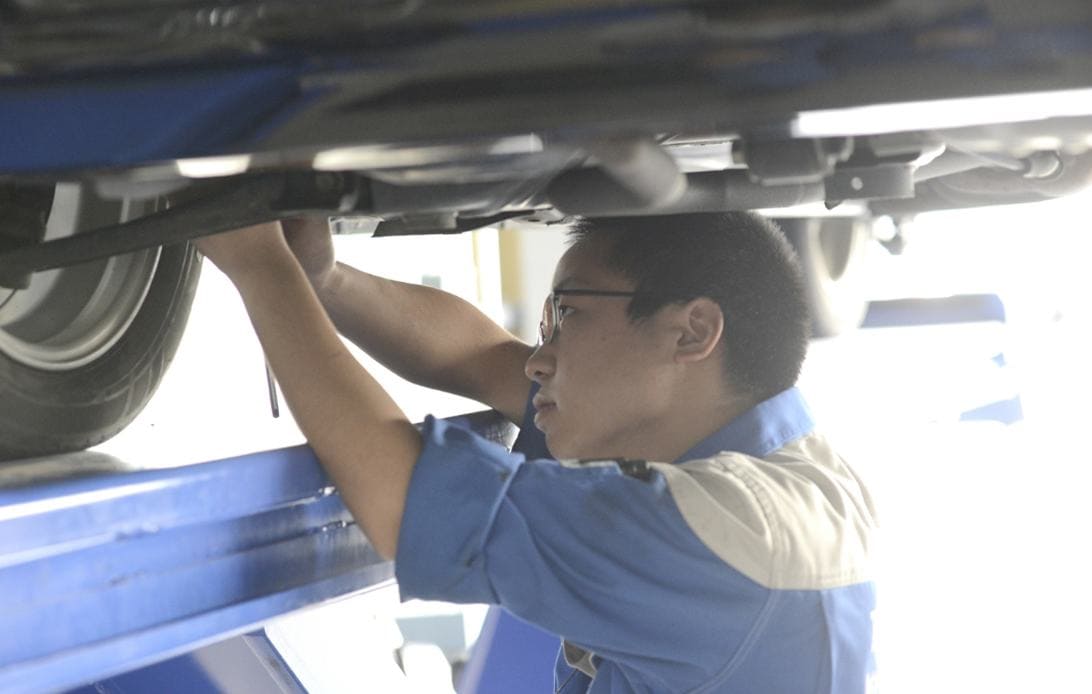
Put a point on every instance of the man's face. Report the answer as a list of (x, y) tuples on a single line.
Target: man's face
[(606, 381)]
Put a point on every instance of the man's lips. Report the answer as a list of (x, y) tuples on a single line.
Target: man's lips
[(541, 402), (543, 409), (543, 406)]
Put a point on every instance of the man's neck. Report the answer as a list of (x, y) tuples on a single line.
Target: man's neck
[(700, 425), (682, 428)]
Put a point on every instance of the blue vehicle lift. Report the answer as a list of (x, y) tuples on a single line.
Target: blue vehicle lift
[(105, 569)]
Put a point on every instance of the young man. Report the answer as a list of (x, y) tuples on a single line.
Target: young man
[(696, 535)]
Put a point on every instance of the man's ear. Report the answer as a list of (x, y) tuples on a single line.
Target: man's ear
[(701, 323)]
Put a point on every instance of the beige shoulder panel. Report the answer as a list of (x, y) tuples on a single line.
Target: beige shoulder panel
[(798, 519)]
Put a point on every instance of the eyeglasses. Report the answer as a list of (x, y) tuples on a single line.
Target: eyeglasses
[(550, 326)]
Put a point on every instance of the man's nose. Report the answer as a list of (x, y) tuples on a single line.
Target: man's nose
[(540, 365)]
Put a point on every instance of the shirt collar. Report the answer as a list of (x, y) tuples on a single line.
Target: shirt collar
[(759, 431)]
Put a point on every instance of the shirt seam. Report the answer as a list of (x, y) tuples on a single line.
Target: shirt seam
[(757, 492), (744, 650), (772, 522), (784, 437), (487, 529)]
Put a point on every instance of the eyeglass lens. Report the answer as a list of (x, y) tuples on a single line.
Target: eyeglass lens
[(548, 323)]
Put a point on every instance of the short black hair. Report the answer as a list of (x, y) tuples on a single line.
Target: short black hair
[(740, 260)]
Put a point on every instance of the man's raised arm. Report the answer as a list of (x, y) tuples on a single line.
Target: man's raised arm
[(425, 335), (358, 432)]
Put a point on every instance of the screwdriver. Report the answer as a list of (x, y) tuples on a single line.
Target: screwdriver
[(274, 404)]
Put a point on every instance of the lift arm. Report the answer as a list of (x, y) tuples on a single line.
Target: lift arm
[(105, 572)]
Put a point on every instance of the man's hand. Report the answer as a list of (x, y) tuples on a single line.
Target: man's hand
[(241, 251), (309, 238)]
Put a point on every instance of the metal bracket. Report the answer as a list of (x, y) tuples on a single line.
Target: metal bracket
[(784, 162), (870, 182)]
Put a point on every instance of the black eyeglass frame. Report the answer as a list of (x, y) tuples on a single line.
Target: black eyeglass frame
[(554, 302)]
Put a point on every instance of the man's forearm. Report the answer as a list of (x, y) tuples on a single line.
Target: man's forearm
[(426, 335), (362, 438)]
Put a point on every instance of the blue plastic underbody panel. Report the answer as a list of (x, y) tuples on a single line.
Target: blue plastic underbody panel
[(144, 116)]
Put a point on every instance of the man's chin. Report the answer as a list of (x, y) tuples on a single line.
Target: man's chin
[(555, 446), (570, 450), (562, 449)]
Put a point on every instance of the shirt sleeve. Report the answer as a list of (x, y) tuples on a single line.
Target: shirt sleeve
[(597, 553)]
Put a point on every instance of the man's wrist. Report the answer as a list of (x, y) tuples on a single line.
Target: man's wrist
[(328, 283), (261, 268)]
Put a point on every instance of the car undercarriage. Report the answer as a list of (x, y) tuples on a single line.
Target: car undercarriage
[(132, 126)]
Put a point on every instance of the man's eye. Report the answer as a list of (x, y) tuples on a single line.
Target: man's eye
[(563, 310)]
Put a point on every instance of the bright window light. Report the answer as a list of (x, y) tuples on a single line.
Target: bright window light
[(386, 156), (212, 167), (942, 113)]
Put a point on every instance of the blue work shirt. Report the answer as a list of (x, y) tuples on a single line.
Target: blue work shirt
[(743, 566)]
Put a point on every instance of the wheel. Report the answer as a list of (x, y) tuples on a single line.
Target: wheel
[(83, 348), (832, 252)]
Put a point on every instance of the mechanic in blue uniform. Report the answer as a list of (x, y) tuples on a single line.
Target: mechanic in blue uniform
[(691, 530)]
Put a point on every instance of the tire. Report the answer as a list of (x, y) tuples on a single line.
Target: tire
[(832, 253), (81, 360)]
